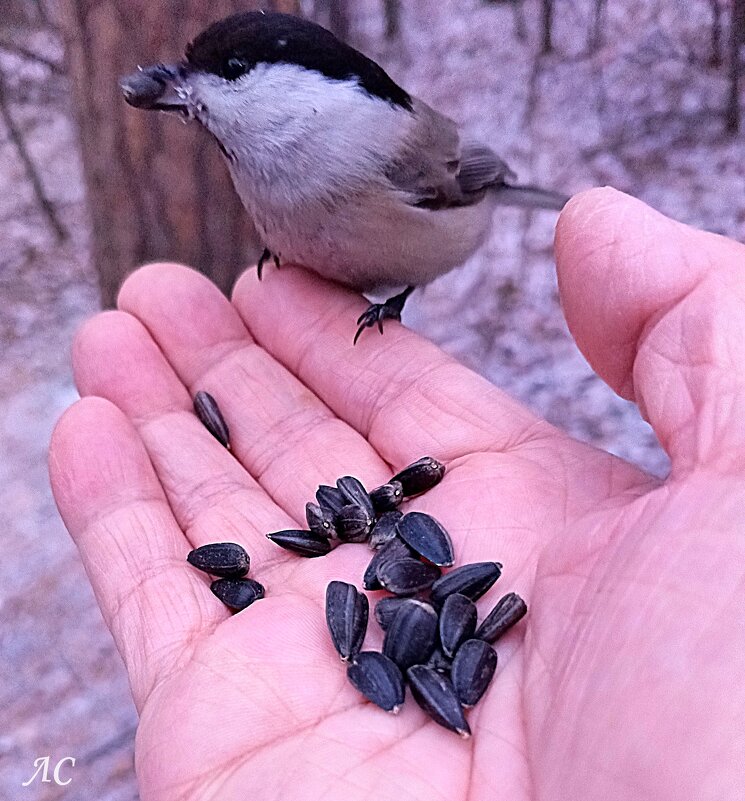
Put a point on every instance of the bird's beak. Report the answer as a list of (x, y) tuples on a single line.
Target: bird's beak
[(158, 88)]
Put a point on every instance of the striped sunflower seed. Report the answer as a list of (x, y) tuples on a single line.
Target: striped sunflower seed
[(440, 662), (505, 614), (384, 530), (378, 679), (407, 576), (457, 622), (207, 410), (353, 524), (393, 549), (330, 499), (346, 617), (225, 559), (305, 543), (423, 534), (354, 492), (470, 580), (237, 593), (387, 498), (411, 637), (420, 476), (435, 695), (473, 669), (320, 521), (385, 610)]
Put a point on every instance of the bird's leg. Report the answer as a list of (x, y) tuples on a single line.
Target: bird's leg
[(377, 312), (267, 254)]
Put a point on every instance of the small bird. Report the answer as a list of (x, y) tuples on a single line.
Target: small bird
[(340, 169)]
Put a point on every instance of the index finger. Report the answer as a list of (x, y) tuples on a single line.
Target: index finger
[(404, 394)]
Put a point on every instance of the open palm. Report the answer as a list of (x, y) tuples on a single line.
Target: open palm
[(624, 681)]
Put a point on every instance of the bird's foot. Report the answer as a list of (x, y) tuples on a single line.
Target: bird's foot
[(377, 312), (265, 256)]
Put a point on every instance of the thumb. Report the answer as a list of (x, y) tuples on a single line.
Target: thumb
[(658, 309)]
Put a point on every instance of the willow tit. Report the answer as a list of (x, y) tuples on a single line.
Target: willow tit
[(340, 169)]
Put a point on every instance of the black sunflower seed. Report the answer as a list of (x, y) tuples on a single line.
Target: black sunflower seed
[(354, 492), (411, 637), (320, 521), (407, 576), (440, 662), (329, 499), (237, 593), (393, 549), (346, 616), (226, 559), (420, 476), (306, 543), (457, 622), (435, 695), (378, 679), (473, 669), (385, 610), (353, 524), (423, 534), (470, 580), (505, 614), (207, 410), (384, 530), (388, 497)]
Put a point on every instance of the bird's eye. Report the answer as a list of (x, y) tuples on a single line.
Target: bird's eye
[(233, 68)]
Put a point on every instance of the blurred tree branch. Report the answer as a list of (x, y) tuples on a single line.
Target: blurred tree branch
[(30, 55), (16, 137)]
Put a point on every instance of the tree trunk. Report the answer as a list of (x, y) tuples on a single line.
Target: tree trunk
[(156, 189), (736, 38)]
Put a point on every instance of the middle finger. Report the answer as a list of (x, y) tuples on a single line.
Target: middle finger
[(282, 433)]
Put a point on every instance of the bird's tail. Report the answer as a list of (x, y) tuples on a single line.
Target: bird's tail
[(530, 197)]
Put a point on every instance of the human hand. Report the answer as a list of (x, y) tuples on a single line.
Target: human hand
[(625, 679)]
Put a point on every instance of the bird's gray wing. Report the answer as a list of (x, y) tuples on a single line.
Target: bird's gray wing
[(438, 170)]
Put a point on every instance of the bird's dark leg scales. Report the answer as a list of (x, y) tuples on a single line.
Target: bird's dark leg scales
[(265, 256), (377, 312)]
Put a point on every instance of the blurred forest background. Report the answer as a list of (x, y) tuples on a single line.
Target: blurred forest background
[(640, 94)]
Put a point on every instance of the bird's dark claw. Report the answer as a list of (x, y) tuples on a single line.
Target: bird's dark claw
[(377, 312), (265, 256)]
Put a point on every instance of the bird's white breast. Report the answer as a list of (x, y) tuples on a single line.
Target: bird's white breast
[(309, 159)]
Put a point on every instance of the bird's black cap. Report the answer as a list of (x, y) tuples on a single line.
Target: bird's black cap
[(234, 45)]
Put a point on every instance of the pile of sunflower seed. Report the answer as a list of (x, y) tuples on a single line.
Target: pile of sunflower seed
[(432, 640)]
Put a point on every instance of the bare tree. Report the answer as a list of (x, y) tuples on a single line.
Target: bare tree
[(736, 39), (595, 41), (716, 58), (334, 15), (16, 137), (392, 18), (156, 189), (547, 16)]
